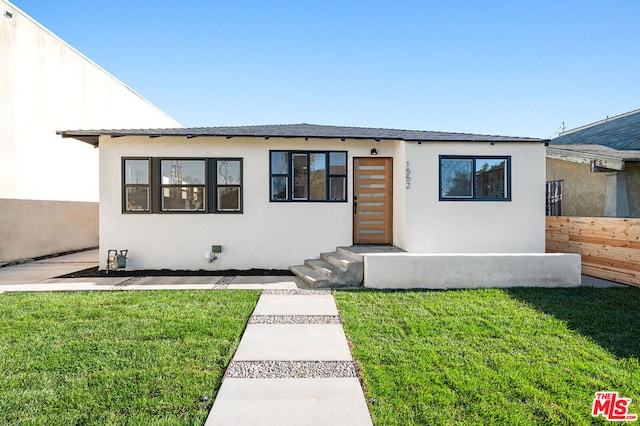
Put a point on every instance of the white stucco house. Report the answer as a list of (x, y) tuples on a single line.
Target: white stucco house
[(49, 186), (271, 196)]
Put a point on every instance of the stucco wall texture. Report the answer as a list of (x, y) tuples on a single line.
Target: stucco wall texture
[(633, 186), (582, 192), (31, 228)]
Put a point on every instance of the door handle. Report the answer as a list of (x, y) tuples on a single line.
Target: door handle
[(355, 205)]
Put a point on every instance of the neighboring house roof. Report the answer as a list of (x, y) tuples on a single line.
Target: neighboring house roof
[(296, 131), (621, 132), (601, 158)]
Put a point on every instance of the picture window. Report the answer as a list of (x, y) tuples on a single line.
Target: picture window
[(478, 178)]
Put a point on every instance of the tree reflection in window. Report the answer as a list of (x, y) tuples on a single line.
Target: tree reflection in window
[(475, 178)]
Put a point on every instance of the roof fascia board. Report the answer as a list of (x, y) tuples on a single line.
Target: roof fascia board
[(596, 161)]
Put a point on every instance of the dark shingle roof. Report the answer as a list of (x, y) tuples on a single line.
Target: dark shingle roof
[(621, 132), (296, 131)]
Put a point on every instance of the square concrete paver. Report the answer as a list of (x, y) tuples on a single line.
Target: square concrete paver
[(293, 342), (265, 282), (316, 304), (284, 402)]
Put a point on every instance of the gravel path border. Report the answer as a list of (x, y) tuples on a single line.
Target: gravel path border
[(294, 292), (290, 369), (294, 319)]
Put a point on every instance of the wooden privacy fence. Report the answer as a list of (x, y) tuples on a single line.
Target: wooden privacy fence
[(610, 247)]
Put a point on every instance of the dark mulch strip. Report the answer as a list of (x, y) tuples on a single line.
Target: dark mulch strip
[(94, 272)]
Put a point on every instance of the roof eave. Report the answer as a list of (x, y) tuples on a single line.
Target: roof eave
[(602, 162), (90, 138)]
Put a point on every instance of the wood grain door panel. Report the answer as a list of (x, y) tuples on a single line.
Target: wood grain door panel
[(372, 201)]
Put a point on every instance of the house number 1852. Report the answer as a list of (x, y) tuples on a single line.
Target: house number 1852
[(407, 176)]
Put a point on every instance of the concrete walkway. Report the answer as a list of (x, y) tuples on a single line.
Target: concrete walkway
[(292, 367), (40, 276)]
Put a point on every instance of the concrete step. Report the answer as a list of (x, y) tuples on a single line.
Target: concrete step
[(347, 252), (313, 278), (340, 260), (352, 268), (330, 271)]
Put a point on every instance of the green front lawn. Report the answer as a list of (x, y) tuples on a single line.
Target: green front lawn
[(116, 357), (517, 356)]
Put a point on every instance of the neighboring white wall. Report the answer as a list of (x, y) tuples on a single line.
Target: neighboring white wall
[(46, 85), (516, 226), (36, 228), (446, 271), (266, 235)]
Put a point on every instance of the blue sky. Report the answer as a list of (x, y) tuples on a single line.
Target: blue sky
[(517, 68)]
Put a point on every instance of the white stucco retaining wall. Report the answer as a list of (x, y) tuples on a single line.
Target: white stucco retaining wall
[(450, 271)]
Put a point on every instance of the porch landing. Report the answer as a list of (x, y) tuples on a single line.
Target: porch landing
[(389, 267), (341, 268)]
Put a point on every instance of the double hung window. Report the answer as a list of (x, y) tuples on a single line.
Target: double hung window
[(308, 175), (475, 178), (228, 185), (137, 185)]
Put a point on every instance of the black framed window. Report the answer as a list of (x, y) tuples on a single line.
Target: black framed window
[(136, 180), (475, 178), (228, 185), (183, 185), (308, 175)]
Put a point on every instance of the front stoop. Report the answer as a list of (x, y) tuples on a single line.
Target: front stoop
[(341, 268)]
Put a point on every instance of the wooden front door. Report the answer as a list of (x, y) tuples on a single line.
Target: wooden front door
[(372, 200)]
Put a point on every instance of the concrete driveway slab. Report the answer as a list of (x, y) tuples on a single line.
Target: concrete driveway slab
[(315, 304), (283, 402), (293, 342), (29, 273)]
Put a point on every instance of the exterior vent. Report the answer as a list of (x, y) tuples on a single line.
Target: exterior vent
[(8, 14)]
